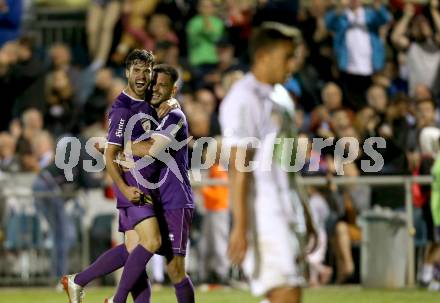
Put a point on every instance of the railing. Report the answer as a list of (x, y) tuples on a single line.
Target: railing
[(50, 25), (7, 186), (406, 181)]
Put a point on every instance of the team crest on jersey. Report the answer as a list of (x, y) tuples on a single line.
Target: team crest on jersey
[(146, 124)]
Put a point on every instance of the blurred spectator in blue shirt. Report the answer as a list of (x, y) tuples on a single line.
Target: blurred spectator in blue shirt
[(10, 19)]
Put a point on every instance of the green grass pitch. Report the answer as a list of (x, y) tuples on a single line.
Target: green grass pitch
[(324, 295)]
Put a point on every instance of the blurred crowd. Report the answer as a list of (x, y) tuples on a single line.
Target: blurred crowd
[(362, 70)]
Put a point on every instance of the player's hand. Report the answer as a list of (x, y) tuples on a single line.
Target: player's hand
[(434, 4), (132, 193), (167, 106), (125, 163), (237, 246)]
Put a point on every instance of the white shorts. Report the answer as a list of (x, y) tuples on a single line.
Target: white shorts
[(272, 258)]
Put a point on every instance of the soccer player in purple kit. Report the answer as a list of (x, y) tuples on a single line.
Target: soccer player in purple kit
[(168, 145), (132, 210)]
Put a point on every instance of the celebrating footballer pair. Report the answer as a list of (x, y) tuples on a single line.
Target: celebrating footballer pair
[(155, 202), (271, 221)]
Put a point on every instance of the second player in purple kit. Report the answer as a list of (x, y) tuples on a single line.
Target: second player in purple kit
[(176, 195)]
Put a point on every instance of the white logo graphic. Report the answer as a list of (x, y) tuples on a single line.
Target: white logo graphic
[(119, 132), (163, 156)]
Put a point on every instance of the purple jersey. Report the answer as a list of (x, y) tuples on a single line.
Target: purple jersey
[(124, 112), (175, 191)]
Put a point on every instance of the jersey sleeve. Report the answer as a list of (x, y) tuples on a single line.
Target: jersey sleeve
[(238, 118), (118, 119), (171, 124)]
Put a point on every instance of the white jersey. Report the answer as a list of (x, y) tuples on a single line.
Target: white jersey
[(255, 110)]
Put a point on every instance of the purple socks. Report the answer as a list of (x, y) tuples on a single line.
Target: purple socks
[(133, 269), (141, 291), (185, 291), (108, 262)]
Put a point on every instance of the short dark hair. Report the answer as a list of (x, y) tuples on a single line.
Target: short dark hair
[(168, 70), (136, 55), (269, 33)]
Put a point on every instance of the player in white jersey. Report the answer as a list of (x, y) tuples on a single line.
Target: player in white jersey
[(270, 223)]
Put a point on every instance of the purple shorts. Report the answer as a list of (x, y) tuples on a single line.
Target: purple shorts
[(174, 225), (130, 216)]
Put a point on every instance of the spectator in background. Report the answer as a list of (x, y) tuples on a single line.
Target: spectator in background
[(216, 221), (134, 21), (61, 59), (168, 52), (364, 121), (203, 32), (357, 45), (319, 274), (304, 85), (43, 148), (10, 20), (32, 121), (377, 99), (388, 125), (430, 145), (202, 118), (239, 22), (60, 114), (414, 34), (208, 104), (27, 77), (331, 96), (102, 17), (283, 11), (390, 79), (7, 93), (115, 90), (425, 117), (10, 49), (53, 208), (227, 81), (352, 200), (159, 30), (96, 105), (317, 37), (227, 63), (8, 159), (422, 92)]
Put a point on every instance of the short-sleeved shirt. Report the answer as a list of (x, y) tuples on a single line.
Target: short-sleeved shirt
[(175, 191), (139, 116), (253, 111)]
